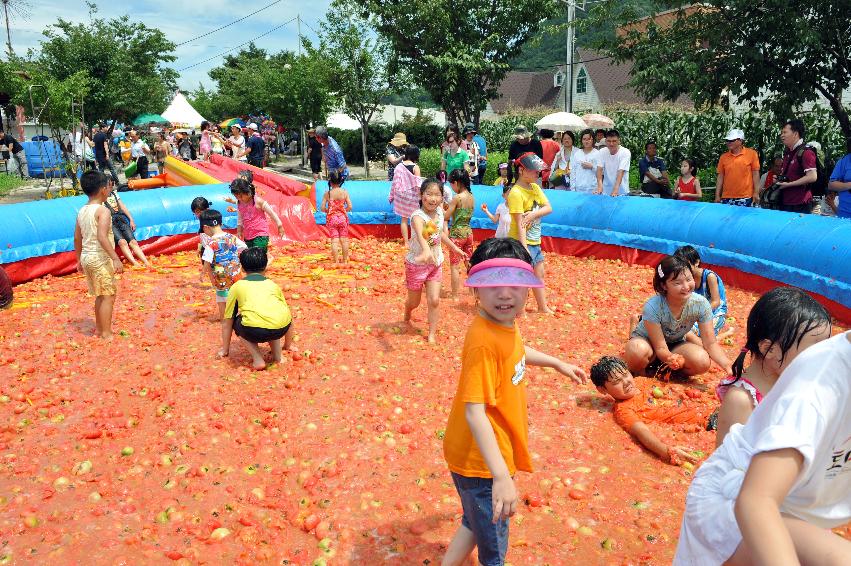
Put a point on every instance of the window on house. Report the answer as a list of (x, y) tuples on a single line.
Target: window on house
[(581, 81)]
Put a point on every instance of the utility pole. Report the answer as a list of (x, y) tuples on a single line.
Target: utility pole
[(571, 40), (298, 19), (8, 33)]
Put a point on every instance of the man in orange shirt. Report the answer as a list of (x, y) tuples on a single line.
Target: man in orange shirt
[(486, 439), (738, 173), (638, 402)]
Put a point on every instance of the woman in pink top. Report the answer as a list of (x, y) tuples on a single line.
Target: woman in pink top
[(252, 226), (782, 324)]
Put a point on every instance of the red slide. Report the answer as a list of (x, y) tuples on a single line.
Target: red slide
[(288, 197)]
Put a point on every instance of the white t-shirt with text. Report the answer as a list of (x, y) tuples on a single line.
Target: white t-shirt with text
[(808, 410)]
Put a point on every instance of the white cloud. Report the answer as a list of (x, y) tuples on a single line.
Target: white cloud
[(182, 20)]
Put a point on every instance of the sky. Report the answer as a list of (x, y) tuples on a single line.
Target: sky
[(181, 20)]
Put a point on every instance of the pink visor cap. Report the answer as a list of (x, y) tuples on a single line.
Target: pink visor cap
[(502, 272)]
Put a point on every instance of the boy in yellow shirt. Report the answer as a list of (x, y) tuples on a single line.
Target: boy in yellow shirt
[(486, 438), (527, 204), (257, 311)]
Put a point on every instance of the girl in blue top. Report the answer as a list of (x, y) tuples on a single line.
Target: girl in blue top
[(709, 285), (667, 318)]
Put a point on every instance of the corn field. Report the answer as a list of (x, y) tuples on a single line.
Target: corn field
[(696, 135)]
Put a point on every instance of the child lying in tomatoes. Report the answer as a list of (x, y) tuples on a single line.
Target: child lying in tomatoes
[(638, 401)]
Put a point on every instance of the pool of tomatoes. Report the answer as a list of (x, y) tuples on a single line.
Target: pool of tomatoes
[(151, 449)]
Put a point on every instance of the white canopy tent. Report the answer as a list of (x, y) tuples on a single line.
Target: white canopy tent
[(342, 122), (181, 113)]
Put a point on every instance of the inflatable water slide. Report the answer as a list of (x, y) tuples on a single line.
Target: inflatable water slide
[(37, 238)]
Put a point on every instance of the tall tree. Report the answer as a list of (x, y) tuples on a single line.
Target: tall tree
[(123, 59), (362, 69), (779, 54), (293, 89), (458, 53)]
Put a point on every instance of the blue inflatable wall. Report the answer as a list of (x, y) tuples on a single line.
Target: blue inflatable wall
[(41, 228), (806, 251)]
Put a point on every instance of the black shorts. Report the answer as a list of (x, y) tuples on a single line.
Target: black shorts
[(316, 167), (257, 335), (121, 228)]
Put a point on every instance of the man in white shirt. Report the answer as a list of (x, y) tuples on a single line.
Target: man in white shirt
[(613, 170)]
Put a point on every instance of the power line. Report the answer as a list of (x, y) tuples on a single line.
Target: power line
[(554, 65), (238, 46), (310, 28), (228, 25)]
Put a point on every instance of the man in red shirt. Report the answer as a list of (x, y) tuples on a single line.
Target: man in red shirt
[(549, 147), (799, 167)]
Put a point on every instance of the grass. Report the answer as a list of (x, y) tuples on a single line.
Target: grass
[(10, 182)]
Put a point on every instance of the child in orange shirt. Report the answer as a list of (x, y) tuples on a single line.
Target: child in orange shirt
[(487, 435), (637, 402)]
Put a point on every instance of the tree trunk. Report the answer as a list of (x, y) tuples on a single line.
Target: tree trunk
[(364, 126)]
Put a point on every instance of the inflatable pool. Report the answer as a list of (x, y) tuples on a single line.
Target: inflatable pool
[(751, 248)]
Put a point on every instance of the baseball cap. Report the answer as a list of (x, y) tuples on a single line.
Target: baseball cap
[(531, 161), (521, 132), (503, 272), (252, 126), (735, 134), (470, 127)]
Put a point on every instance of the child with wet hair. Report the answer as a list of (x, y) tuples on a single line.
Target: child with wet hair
[(777, 484), (638, 402), (782, 323)]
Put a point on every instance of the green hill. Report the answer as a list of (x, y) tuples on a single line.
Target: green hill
[(549, 47)]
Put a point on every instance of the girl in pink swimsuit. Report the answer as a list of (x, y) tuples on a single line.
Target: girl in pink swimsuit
[(782, 324), (336, 204)]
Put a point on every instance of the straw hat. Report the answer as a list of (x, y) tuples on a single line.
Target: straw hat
[(399, 140)]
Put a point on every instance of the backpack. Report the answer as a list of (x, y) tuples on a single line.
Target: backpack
[(819, 187)]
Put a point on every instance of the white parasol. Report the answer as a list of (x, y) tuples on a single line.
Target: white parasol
[(561, 121), (598, 121)]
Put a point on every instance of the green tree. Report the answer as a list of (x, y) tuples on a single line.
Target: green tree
[(458, 53), (780, 54), (293, 89), (54, 95), (362, 70), (123, 59), (205, 102)]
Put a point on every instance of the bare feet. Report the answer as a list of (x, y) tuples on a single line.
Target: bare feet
[(546, 310), (259, 364), (222, 353), (432, 339)]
